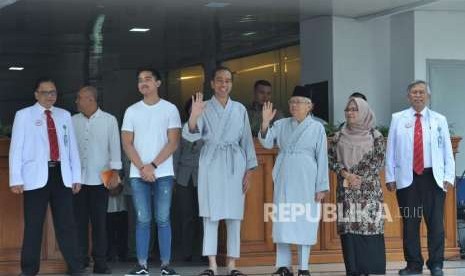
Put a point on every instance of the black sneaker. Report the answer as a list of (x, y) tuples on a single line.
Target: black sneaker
[(283, 271), (166, 270), (138, 270), (303, 273)]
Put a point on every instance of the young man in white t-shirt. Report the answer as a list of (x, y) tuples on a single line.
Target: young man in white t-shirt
[(150, 135)]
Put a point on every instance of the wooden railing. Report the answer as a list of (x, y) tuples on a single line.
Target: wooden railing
[(257, 247)]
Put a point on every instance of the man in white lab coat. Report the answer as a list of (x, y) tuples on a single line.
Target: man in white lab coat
[(45, 168), (420, 166)]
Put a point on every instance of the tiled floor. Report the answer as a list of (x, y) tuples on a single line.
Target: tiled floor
[(451, 268)]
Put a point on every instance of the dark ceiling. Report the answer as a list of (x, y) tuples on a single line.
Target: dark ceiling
[(33, 31), (81, 41)]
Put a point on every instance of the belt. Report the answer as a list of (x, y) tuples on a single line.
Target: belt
[(425, 170), (53, 164)]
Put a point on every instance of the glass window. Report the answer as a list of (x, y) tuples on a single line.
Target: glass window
[(182, 84), (280, 67)]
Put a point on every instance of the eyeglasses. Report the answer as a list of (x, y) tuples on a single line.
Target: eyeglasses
[(297, 102), (350, 110), (51, 93), (418, 92)]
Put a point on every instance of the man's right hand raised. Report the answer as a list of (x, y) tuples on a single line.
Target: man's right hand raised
[(268, 114), (198, 105), (18, 189)]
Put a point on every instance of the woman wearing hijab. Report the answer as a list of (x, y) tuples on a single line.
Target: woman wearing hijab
[(300, 177), (356, 154)]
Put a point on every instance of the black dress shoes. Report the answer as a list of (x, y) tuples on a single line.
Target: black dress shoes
[(102, 270), (436, 271), (410, 271), (79, 272)]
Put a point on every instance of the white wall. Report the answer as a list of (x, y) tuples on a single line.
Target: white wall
[(438, 35), (379, 57), (402, 58), (353, 56), (316, 52), (316, 49), (361, 62)]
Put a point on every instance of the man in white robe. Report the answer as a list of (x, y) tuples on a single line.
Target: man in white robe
[(300, 177), (225, 162)]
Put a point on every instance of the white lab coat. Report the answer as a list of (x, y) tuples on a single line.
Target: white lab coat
[(399, 150), (30, 149)]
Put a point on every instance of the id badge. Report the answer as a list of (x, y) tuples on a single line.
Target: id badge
[(65, 136)]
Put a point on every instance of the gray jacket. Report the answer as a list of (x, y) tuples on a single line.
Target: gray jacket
[(186, 162)]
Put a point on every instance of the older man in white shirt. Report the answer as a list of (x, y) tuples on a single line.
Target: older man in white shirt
[(420, 165), (45, 168), (99, 148)]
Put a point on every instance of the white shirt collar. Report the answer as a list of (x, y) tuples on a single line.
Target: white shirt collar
[(423, 113), (96, 114), (42, 109)]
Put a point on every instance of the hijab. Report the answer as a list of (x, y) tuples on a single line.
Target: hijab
[(356, 139)]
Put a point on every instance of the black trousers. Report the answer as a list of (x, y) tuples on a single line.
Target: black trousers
[(35, 207), (424, 199), (191, 224), (364, 254), (90, 205), (117, 232)]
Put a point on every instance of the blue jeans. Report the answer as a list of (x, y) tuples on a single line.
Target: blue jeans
[(161, 191)]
